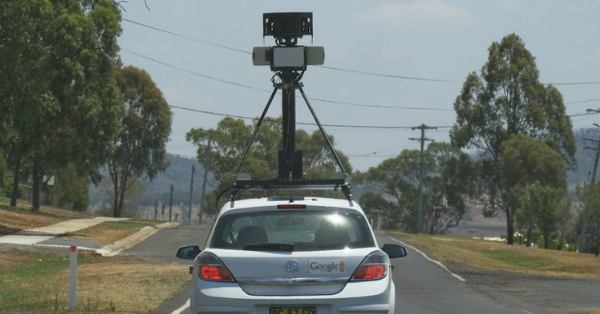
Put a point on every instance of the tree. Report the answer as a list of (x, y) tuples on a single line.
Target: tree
[(379, 209), (450, 186), (541, 205), (230, 139), (524, 162), (140, 148), (71, 189), (453, 187), (508, 99), (397, 180), (564, 217), (590, 193), (58, 95)]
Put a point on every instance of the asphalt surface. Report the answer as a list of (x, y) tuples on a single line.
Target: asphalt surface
[(161, 248), (422, 286)]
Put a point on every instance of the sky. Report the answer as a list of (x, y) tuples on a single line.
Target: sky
[(389, 65)]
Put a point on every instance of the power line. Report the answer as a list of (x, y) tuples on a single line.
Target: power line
[(302, 123), (186, 37), (264, 90), (194, 73), (387, 75), (335, 68), (582, 101)]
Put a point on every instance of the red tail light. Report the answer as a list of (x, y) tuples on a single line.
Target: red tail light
[(374, 267), (210, 267)]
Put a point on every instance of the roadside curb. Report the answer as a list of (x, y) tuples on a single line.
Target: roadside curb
[(128, 242)]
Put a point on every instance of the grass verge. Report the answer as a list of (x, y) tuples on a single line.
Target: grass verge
[(111, 231), (39, 283), (500, 256), (21, 217)]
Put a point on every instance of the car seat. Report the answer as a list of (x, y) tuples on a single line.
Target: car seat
[(251, 235)]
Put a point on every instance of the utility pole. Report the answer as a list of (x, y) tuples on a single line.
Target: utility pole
[(191, 193), (171, 203), (206, 160), (422, 127), (592, 183)]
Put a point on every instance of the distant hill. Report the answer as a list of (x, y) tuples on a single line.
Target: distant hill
[(178, 174)]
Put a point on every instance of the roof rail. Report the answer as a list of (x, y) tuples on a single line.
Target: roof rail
[(244, 182)]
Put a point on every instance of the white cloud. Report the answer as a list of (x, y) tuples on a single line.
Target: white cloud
[(420, 13)]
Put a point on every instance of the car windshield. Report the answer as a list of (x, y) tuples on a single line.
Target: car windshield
[(305, 230)]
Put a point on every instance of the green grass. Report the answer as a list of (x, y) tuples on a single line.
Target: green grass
[(518, 260), (20, 291), (500, 256), (4, 199)]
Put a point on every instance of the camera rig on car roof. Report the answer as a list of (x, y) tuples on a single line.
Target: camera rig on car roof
[(288, 61)]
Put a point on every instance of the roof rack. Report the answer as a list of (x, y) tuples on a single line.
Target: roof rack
[(244, 182)]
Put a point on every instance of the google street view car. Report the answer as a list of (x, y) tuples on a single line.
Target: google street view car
[(292, 254)]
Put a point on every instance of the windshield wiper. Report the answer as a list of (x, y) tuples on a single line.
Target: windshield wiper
[(282, 247)]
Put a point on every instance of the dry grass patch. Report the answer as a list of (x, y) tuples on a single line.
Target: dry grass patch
[(39, 283), (129, 285), (15, 219), (500, 256), (12, 221), (110, 231)]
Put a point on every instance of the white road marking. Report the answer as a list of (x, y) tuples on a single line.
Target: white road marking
[(526, 311), (183, 308), (432, 260)]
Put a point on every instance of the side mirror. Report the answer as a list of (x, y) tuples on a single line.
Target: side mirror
[(188, 252), (394, 250)]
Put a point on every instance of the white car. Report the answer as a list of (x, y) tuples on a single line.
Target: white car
[(292, 256)]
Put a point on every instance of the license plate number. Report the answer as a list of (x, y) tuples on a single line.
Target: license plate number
[(292, 310)]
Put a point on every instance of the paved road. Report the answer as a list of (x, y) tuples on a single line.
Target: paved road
[(422, 285)]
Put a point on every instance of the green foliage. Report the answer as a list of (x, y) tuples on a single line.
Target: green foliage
[(508, 99), (540, 207), (71, 189), (450, 185), (590, 195), (58, 94), (141, 145), (230, 139), (3, 184)]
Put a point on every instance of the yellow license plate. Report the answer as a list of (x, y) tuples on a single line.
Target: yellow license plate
[(293, 310)]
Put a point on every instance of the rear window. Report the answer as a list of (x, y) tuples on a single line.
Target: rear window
[(306, 230)]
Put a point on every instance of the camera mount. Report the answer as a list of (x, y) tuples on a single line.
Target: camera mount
[(289, 61)]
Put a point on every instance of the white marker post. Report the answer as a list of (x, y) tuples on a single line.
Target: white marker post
[(73, 279)]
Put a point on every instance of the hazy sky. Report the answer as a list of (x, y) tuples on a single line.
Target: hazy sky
[(419, 50)]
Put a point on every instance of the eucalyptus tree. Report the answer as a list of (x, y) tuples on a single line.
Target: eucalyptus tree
[(453, 187), (396, 180), (58, 94), (141, 145), (230, 139), (506, 99), (450, 187)]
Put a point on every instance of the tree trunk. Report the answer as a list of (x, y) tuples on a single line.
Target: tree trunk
[(529, 236), (35, 197), (15, 191), (598, 240), (116, 213), (560, 245), (510, 226), (546, 241)]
